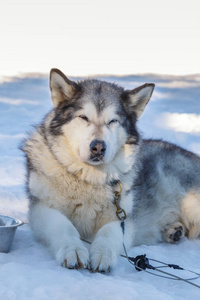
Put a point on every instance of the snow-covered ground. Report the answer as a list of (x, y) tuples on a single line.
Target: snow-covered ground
[(29, 271)]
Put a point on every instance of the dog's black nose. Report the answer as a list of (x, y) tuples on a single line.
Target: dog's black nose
[(98, 147)]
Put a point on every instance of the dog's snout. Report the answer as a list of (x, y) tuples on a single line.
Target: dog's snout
[(98, 147)]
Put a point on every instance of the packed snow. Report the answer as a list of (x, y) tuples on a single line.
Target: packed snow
[(29, 271)]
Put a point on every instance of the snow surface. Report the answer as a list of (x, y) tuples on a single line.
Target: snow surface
[(29, 271)]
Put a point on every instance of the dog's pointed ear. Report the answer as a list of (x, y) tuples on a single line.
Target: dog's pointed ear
[(139, 97), (61, 87)]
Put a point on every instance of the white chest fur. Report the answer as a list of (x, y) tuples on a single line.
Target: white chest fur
[(87, 206)]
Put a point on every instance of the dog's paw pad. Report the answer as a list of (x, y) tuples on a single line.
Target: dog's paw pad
[(176, 234)]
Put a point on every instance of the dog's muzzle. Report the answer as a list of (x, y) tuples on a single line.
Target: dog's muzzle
[(98, 150)]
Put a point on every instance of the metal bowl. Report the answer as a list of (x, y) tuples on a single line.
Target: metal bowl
[(8, 227)]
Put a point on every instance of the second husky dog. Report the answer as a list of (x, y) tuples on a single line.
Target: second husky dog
[(84, 151)]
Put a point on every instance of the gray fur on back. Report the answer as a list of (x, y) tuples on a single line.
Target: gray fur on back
[(166, 174)]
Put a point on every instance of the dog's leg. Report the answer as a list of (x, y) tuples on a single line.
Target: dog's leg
[(190, 208), (54, 229), (106, 247), (108, 244), (190, 219)]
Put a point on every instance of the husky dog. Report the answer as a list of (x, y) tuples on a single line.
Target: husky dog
[(85, 145)]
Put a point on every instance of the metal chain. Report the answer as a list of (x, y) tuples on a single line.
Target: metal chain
[(120, 212)]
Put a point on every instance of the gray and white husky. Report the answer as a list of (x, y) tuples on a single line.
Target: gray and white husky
[(85, 145)]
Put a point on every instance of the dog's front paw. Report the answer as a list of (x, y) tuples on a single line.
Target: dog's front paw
[(102, 256), (73, 255)]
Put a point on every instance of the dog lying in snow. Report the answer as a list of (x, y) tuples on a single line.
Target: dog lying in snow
[(85, 143)]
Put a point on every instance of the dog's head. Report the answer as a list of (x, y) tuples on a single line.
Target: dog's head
[(95, 119)]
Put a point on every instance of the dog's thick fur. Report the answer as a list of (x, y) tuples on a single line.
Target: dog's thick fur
[(88, 141)]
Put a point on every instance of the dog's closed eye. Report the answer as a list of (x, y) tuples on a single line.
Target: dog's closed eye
[(113, 121), (83, 117)]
